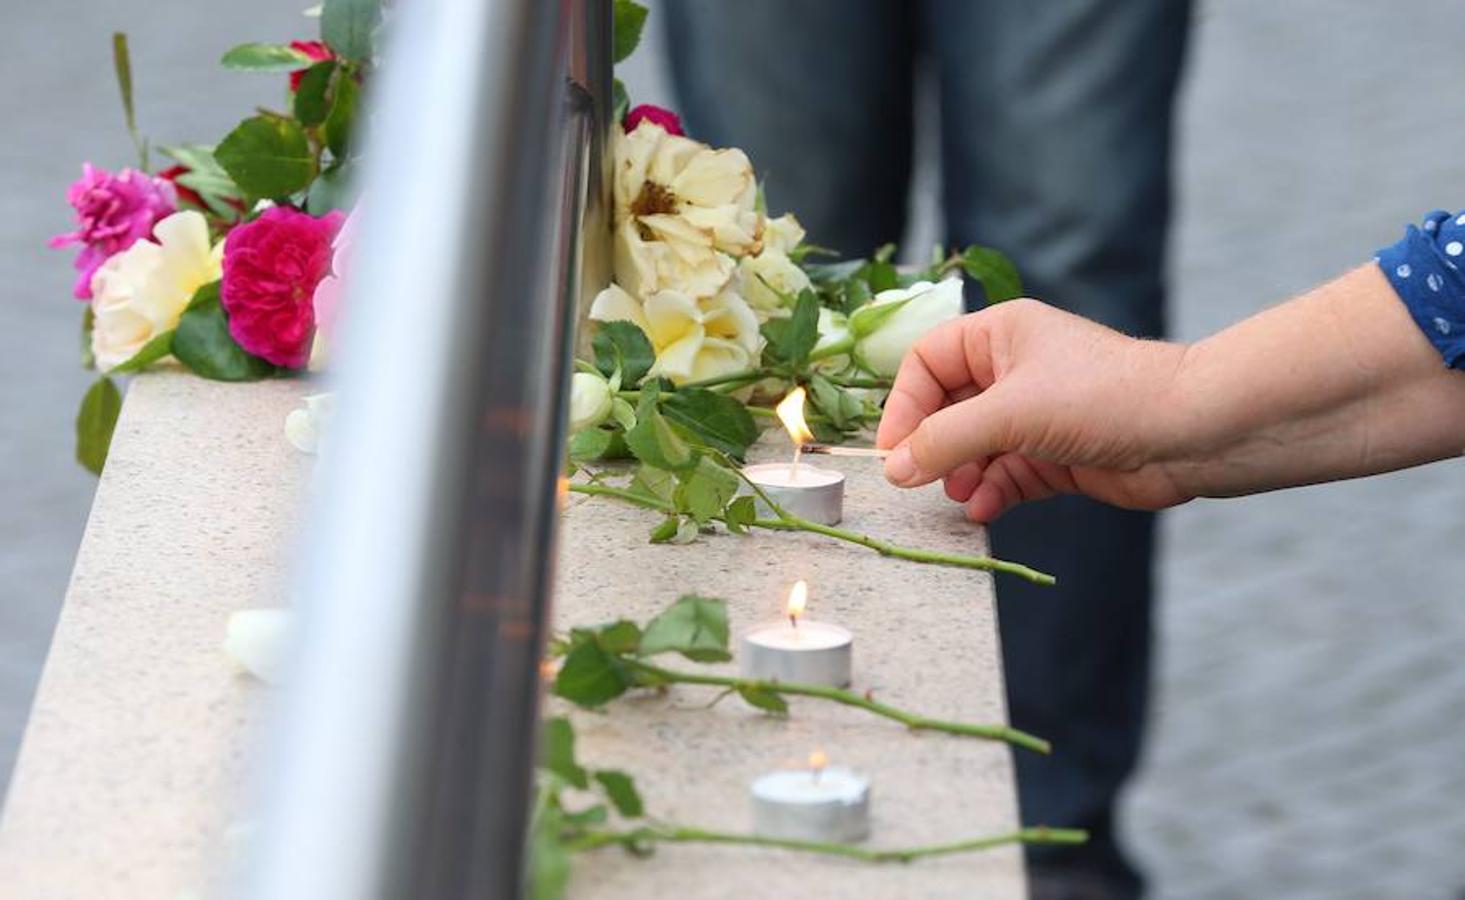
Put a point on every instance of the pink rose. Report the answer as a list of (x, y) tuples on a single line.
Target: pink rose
[(113, 211), (316, 50), (271, 269), (668, 120)]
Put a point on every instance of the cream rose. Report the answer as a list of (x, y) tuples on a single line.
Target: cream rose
[(139, 293), (693, 339), (782, 234), (884, 329), (590, 401), (683, 211), (769, 281)]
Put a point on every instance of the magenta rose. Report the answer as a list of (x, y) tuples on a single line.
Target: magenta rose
[(668, 120), (113, 212), (271, 268), (316, 50)]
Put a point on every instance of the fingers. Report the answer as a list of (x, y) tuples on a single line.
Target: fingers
[(936, 372), (950, 437), (1012, 479), (961, 481)]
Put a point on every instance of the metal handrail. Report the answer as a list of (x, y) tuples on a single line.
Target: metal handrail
[(403, 761)]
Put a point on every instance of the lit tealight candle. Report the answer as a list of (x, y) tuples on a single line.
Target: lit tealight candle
[(818, 803), (803, 490), (796, 650)]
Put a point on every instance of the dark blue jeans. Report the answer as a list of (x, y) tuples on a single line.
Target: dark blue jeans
[(1055, 147)]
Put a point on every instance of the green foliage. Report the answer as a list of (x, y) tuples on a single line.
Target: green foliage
[(202, 342), (313, 96), (762, 698), (620, 788), (622, 347), (791, 339), (157, 348), (696, 627), (208, 179), (620, 101), (654, 441), (844, 410), (559, 752), (95, 422), (993, 271), (334, 189), (88, 320), (122, 68), (341, 122), (267, 156), (630, 20), (715, 420), (265, 58), (591, 674), (349, 27)]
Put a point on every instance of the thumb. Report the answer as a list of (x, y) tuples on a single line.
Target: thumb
[(977, 427)]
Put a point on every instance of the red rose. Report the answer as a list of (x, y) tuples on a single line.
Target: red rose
[(271, 268), (667, 119), (316, 50)]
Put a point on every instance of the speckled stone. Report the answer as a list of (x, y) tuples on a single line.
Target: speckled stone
[(139, 734), (925, 639)]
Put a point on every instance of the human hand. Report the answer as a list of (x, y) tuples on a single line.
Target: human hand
[(1023, 401)]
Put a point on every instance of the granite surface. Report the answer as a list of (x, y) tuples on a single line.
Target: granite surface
[(140, 735), (925, 639), (140, 729)]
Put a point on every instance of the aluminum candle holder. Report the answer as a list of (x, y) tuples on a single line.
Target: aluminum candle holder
[(806, 491), (821, 804), (798, 652)]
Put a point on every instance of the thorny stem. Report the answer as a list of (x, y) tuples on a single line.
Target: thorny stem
[(657, 675), (789, 522), (677, 834)]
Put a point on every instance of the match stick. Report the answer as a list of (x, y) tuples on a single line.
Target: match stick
[(828, 450)]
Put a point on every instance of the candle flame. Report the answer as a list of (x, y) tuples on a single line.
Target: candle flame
[(818, 760), (791, 412), (798, 598)]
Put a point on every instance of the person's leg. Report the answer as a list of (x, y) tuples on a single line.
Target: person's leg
[(817, 92), (1056, 121)]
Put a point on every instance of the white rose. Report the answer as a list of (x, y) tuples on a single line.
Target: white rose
[(590, 401), (682, 211), (305, 427), (256, 639), (885, 328), (694, 339), (139, 293), (783, 233), (762, 279)]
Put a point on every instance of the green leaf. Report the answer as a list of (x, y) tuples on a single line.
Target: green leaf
[(620, 101), (334, 189), (630, 19), (203, 344), (207, 178), (595, 815), (763, 698), (706, 490), (870, 317), (591, 676), (122, 67), (95, 422), (695, 627), (713, 419), (590, 444), (154, 350), (620, 636), (341, 123), (654, 441), (88, 320), (559, 752), (844, 410), (740, 514), (313, 96), (622, 346), (666, 530), (549, 859), (623, 412), (621, 790), (650, 481), (791, 339), (348, 27), (267, 157), (994, 271), (265, 58)]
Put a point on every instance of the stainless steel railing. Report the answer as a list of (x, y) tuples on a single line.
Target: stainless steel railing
[(403, 759)]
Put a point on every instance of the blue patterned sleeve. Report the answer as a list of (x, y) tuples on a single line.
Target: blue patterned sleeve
[(1422, 267)]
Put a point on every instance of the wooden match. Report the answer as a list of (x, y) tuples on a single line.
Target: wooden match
[(830, 450)]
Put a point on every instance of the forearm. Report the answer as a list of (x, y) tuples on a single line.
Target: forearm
[(1335, 384)]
